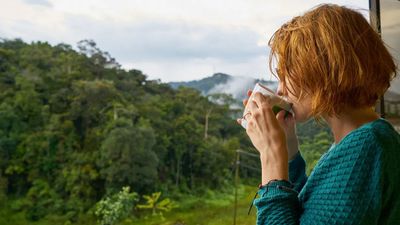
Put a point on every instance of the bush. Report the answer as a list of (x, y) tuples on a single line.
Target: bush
[(112, 209)]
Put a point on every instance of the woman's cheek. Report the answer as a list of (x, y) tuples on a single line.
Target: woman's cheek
[(298, 114)]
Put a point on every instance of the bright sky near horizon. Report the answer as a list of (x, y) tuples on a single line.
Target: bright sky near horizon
[(171, 40)]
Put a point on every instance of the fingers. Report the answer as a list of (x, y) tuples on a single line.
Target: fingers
[(286, 120), (280, 116), (245, 117), (249, 92), (258, 100), (252, 106), (262, 101), (248, 95)]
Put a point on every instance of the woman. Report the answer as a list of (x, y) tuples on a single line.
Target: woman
[(333, 67)]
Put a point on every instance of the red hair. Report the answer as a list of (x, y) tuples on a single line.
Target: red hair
[(332, 54)]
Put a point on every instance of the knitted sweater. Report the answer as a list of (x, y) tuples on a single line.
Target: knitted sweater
[(357, 181)]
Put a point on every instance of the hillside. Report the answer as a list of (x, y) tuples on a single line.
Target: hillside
[(78, 133), (76, 128), (224, 83)]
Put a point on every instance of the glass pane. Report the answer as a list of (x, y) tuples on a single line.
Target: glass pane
[(390, 26)]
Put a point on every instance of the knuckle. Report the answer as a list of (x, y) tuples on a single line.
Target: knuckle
[(266, 109), (250, 123)]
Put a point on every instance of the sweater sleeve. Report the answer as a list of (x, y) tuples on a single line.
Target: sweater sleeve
[(278, 204), (297, 172), (344, 189)]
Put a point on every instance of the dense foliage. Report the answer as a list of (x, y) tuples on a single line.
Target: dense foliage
[(75, 128)]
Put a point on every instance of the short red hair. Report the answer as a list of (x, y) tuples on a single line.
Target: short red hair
[(332, 54)]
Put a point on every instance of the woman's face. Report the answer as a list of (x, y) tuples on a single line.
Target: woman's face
[(301, 109)]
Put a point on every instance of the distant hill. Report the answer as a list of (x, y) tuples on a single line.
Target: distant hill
[(204, 85), (224, 83), (238, 86)]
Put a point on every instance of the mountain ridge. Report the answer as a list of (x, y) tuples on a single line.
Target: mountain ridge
[(237, 86)]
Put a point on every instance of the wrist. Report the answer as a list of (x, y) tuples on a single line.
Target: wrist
[(277, 182), (276, 157), (273, 168)]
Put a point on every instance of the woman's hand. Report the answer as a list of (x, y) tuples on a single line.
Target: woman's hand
[(288, 123), (267, 133), (263, 128)]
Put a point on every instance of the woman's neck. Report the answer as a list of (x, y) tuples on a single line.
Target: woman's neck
[(349, 120)]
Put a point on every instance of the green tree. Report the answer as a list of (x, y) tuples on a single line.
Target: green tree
[(126, 157), (75, 127)]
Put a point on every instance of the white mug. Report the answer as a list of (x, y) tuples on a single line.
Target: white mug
[(278, 103)]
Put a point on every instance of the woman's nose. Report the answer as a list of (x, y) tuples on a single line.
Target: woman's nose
[(280, 90)]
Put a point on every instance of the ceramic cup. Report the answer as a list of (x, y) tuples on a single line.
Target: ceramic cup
[(278, 103)]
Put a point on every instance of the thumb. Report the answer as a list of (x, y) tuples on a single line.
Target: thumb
[(286, 121), (280, 116)]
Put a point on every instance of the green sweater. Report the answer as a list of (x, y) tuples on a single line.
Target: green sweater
[(356, 182)]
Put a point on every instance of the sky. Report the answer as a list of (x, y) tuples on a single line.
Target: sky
[(170, 40)]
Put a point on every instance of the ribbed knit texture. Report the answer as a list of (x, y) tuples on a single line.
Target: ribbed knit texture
[(357, 181)]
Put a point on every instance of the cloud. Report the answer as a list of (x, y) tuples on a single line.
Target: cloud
[(44, 3), (171, 40), (193, 69), (175, 50), (156, 40), (236, 86)]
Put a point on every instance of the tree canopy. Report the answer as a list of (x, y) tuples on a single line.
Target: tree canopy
[(75, 127)]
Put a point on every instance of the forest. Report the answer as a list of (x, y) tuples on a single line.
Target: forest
[(84, 141)]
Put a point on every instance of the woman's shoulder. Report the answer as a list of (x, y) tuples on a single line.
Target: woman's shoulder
[(372, 144), (379, 130), (374, 136), (384, 133)]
